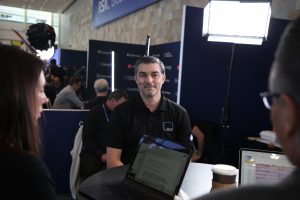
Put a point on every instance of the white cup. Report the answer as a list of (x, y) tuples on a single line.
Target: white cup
[(224, 176)]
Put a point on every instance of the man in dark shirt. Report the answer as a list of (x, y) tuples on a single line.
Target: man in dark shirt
[(148, 113), (101, 89), (49, 88), (56, 71), (92, 157)]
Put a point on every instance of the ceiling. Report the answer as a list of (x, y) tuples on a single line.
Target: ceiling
[(55, 6)]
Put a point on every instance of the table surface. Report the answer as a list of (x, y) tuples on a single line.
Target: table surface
[(197, 182)]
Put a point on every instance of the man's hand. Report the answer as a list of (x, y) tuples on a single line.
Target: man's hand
[(103, 158), (113, 157)]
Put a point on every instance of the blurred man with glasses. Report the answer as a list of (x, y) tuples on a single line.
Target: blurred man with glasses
[(284, 93)]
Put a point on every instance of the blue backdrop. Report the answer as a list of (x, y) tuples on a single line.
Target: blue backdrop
[(59, 128), (169, 55), (73, 58), (204, 78), (99, 65)]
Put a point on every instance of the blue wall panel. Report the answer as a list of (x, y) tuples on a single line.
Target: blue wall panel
[(205, 74)]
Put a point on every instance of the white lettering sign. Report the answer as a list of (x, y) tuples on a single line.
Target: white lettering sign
[(103, 6)]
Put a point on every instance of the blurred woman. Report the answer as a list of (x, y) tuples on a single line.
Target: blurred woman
[(22, 174)]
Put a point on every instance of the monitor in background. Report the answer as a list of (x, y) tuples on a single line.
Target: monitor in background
[(262, 167)]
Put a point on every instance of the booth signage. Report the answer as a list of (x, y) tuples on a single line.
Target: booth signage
[(105, 11)]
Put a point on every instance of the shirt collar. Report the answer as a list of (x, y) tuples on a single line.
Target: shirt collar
[(163, 105)]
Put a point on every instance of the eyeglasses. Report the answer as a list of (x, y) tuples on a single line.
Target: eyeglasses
[(267, 98)]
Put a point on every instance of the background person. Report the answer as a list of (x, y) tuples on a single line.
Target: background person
[(93, 154), (205, 142), (148, 113), (56, 70), (49, 88), (284, 90), (23, 175), (101, 89), (67, 98), (199, 139)]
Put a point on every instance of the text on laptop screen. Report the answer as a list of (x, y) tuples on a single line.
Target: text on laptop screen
[(263, 167), (160, 164)]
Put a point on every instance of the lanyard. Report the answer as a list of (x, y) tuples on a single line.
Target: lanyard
[(105, 112)]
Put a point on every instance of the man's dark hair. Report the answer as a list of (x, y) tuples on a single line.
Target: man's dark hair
[(49, 78), (149, 60), (53, 61), (74, 80), (118, 94)]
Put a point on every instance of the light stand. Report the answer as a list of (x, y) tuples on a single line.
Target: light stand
[(147, 46), (235, 22), (225, 120)]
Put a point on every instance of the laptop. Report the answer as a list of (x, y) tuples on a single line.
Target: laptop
[(262, 167), (156, 172)]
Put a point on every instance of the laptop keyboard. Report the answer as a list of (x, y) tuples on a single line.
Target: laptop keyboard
[(123, 190)]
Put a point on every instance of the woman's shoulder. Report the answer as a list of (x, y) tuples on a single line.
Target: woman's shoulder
[(27, 174), (13, 158)]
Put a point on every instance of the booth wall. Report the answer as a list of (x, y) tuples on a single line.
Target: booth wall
[(204, 78), (100, 66), (59, 128)]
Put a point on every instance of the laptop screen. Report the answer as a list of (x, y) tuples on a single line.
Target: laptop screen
[(262, 167), (160, 164)]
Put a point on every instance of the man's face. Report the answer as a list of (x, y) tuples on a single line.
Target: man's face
[(114, 103), (276, 117), (120, 101), (283, 116), (149, 79)]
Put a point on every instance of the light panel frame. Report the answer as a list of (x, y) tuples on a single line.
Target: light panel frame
[(237, 22)]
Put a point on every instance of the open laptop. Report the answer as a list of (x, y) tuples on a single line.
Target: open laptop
[(262, 167), (156, 172)]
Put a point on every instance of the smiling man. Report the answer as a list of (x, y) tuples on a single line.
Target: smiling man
[(149, 113)]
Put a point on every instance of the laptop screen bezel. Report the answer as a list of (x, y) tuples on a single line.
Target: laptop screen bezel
[(147, 139)]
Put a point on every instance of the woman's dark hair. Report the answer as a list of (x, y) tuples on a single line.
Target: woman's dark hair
[(19, 75)]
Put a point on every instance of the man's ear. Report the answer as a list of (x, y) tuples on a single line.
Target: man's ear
[(164, 77), (135, 75), (291, 115)]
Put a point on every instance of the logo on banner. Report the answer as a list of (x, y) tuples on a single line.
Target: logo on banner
[(168, 55), (168, 126), (104, 52), (103, 6), (133, 55)]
